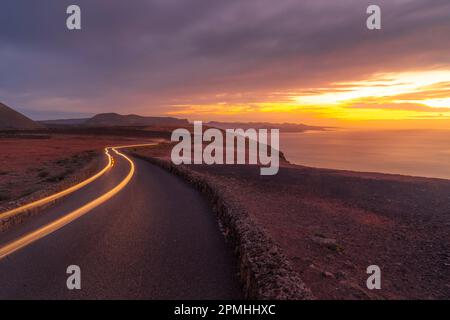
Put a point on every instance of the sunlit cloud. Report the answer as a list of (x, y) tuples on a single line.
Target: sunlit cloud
[(434, 103), (220, 108), (382, 96), (381, 86), (298, 61)]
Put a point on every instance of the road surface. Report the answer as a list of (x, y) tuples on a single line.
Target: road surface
[(156, 239)]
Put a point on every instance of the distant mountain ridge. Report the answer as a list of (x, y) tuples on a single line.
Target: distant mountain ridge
[(133, 120), (115, 119), (284, 127), (13, 120), (65, 122)]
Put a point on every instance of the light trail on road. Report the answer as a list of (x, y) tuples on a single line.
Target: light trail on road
[(56, 196), (68, 218)]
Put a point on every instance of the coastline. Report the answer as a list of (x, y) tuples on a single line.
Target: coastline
[(419, 153)]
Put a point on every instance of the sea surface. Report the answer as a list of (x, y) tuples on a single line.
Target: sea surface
[(424, 153)]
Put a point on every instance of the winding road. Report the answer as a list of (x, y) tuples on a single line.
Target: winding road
[(136, 232)]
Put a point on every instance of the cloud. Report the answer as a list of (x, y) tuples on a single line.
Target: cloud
[(153, 56)]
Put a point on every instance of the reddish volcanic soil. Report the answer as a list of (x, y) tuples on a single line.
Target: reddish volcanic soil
[(30, 163), (333, 224)]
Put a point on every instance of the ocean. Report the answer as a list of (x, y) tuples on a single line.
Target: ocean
[(424, 153)]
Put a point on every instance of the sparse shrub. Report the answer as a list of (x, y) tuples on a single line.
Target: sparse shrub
[(329, 243), (43, 174), (320, 235), (32, 170), (4, 195), (61, 162), (336, 248), (60, 176), (55, 178), (27, 192)]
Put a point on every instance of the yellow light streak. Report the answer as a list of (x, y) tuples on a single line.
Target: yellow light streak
[(49, 199), (24, 241)]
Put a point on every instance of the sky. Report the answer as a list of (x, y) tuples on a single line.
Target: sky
[(311, 61)]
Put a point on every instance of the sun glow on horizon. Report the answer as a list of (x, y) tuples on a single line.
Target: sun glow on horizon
[(382, 96)]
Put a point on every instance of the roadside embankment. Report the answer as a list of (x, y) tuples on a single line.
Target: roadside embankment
[(265, 272)]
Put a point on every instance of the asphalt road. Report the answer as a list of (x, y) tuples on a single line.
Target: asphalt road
[(156, 239)]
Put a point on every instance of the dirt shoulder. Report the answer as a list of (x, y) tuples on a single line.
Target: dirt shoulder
[(333, 224)]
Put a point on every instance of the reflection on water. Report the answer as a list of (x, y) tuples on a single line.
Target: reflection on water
[(411, 152)]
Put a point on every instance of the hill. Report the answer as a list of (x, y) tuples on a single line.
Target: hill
[(13, 120), (64, 122), (131, 120)]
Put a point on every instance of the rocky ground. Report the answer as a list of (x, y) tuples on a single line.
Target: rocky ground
[(333, 224), (330, 224)]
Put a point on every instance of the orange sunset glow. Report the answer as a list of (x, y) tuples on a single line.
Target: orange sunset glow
[(294, 63), (410, 96)]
